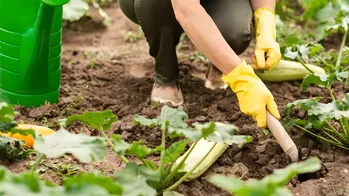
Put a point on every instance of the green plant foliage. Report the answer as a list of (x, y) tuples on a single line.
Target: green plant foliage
[(273, 184), (86, 148)]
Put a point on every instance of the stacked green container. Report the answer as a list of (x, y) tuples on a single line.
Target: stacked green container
[(30, 51)]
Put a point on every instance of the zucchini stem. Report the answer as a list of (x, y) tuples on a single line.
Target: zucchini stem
[(334, 131), (175, 170), (163, 146), (123, 158), (304, 65), (330, 136), (346, 126), (331, 93), (168, 170), (322, 138), (338, 63), (175, 185), (37, 162), (322, 60)]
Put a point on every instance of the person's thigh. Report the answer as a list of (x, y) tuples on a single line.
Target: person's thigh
[(127, 7), (234, 18), (156, 15)]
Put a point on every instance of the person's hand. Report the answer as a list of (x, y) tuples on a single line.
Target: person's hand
[(267, 51), (253, 96)]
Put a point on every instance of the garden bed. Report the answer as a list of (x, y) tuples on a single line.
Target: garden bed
[(100, 71)]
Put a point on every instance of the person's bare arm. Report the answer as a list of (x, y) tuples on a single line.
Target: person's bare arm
[(263, 3), (205, 35)]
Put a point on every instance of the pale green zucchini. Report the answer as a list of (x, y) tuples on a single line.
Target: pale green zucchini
[(200, 150), (288, 71)]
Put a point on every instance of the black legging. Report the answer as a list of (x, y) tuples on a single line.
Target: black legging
[(234, 19)]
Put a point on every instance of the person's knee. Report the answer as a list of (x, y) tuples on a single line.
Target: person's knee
[(239, 39)]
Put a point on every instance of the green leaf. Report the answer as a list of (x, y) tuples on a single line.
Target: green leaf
[(169, 117), (343, 26), (175, 150), (280, 177), (304, 104), (135, 178), (86, 148), (223, 133), (311, 7), (74, 185), (25, 183), (23, 132), (145, 121), (174, 121), (269, 185), (11, 149), (7, 126), (290, 54), (120, 145), (6, 112), (282, 191), (345, 102), (328, 110), (74, 10), (331, 10), (140, 150), (137, 148), (310, 106), (214, 132), (344, 5), (303, 50), (150, 164), (101, 121), (318, 79), (29, 183), (324, 80)]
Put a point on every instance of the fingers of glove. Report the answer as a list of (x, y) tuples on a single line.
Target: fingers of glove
[(261, 118), (273, 58), (260, 59), (273, 109)]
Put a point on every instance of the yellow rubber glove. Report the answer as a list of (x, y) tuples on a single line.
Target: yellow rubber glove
[(267, 51), (253, 96)]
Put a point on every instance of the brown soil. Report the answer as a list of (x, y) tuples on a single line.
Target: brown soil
[(101, 71)]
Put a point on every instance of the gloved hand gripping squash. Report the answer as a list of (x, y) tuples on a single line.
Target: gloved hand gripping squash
[(253, 96)]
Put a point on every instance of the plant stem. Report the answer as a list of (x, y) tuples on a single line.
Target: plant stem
[(175, 185), (334, 131), (123, 158), (339, 58), (37, 162), (343, 127), (346, 125), (145, 163), (322, 60), (168, 170), (305, 66), (329, 135), (163, 146), (175, 170), (331, 93), (322, 138)]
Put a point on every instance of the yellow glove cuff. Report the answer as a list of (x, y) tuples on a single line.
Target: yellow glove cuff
[(265, 20), (241, 75)]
